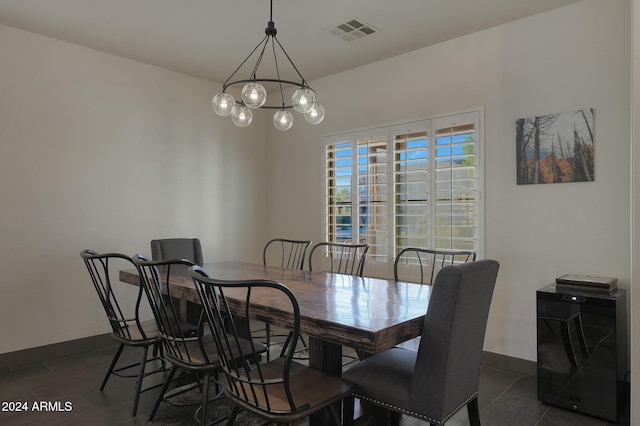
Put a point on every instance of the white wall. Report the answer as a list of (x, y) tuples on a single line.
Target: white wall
[(569, 58), (101, 152)]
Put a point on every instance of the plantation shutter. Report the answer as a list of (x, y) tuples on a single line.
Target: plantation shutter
[(412, 193), (456, 191), (415, 184), (372, 206)]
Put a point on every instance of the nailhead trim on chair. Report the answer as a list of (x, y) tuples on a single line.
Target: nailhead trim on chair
[(557, 319), (414, 414)]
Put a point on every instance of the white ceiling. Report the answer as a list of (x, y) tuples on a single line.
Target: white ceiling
[(209, 38)]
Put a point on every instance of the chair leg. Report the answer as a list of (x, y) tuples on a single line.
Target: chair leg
[(347, 410), (301, 339), (112, 366), (143, 363), (205, 400), (163, 391), (160, 350), (267, 330), (232, 416), (394, 418), (335, 413), (286, 344), (474, 412)]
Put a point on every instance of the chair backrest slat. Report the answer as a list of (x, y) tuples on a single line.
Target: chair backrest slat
[(285, 253), (348, 259), (125, 322), (428, 262)]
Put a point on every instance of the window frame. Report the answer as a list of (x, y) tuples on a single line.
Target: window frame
[(391, 131)]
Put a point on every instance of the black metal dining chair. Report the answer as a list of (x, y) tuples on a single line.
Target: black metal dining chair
[(189, 350), (281, 390), (127, 328), (414, 264), (426, 263), (439, 379), (343, 258), (285, 253), (288, 254)]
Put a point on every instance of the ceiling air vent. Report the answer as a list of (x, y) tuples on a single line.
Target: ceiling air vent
[(351, 30)]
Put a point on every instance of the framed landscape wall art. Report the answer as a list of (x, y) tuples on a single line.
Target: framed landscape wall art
[(556, 148)]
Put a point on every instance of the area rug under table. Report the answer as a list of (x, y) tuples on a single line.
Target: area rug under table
[(181, 409)]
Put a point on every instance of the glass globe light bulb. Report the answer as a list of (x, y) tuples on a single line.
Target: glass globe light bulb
[(223, 103), (283, 120), (254, 95), (315, 115), (303, 99), (241, 116)]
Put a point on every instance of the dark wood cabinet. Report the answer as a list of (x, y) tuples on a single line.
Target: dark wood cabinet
[(581, 348)]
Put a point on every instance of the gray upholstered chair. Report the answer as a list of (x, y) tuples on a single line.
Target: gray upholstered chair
[(443, 376), (414, 264), (180, 248), (177, 248)]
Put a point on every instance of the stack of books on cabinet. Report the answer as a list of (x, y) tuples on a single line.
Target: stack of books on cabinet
[(582, 283)]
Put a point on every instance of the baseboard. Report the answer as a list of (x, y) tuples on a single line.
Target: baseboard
[(505, 362), (40, 354)]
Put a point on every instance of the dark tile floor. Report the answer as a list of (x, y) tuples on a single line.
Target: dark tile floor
[(69, 390)]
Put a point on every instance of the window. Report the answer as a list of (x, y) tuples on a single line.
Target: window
[(409, 185)]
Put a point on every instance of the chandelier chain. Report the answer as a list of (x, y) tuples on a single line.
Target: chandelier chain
[(224, 86), (304, 83)]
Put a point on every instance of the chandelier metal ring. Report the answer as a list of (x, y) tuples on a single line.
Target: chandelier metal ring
[(266, 80)]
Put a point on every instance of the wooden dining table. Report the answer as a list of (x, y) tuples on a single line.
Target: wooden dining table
[(366, 314)]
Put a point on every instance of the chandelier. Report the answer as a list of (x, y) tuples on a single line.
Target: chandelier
[(254, 93)]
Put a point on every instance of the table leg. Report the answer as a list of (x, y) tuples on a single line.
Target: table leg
[(327, 357)]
